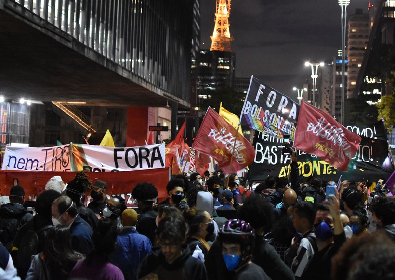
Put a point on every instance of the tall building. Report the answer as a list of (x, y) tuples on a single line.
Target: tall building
[(215, 68), (371, 80), (326, 86), (358, 38), (336, 93)]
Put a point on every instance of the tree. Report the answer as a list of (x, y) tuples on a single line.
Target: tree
[(386, 109)]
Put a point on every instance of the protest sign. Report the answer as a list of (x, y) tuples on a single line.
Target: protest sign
[(319, 134), (219, 139), (104, 159), (37, 159), (268, 110)]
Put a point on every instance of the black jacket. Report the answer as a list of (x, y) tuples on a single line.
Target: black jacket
[(185, 267)]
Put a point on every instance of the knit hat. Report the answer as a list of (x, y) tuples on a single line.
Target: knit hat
[(17, 191), (129, 217)]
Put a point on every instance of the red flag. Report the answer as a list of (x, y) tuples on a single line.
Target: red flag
[(216, 137), (178, 143), (150, 140), (319, 134), (202, 162)]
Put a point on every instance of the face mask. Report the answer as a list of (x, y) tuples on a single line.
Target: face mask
[(238, 182), (323, 231), (200, 181), (96, 195), (176, 198), (210, 228), (231, 261), (107, 212), (56, 222), (355, 229), (348, 231)]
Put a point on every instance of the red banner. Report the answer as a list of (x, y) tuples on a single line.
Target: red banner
[(202, 162), (219, 139), (118, 182), (319, 134)]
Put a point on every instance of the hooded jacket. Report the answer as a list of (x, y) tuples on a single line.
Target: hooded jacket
[(185, 267)]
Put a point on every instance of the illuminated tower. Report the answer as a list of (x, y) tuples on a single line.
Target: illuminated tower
[(220, 41)]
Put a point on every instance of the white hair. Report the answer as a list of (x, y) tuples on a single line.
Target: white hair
[(55, 184)]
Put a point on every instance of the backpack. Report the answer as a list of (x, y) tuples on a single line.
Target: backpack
[(8, 230), (31, 244)]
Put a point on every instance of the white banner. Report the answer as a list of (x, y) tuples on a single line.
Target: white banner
[(104, 159), (55, 158), (97, 158)]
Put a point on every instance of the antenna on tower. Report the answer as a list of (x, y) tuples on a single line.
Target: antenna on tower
[(221, 39)]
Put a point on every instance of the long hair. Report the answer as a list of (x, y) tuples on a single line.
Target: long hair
[(59, 255)]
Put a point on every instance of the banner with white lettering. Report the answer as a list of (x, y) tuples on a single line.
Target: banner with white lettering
[(371, 162), (103, 159), (37, 159), (268, 110)]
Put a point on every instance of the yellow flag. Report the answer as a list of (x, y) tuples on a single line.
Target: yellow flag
[(230, 118), (107, 140)]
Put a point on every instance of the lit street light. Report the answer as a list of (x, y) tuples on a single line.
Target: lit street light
[(300, 93), (314, 76), (343, 4)]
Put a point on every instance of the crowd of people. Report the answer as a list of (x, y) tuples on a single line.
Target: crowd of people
[(209, 227)]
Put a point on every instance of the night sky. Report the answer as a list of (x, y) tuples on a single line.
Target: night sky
[(273, 38)]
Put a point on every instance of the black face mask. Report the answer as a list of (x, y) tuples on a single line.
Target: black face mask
[(216, 191), (176, 198), (96, 195)]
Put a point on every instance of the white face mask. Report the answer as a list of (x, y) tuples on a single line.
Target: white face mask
[(200, 181), (56, 222), (107, 212)]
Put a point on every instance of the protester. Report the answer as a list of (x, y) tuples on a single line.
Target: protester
[(236, 239), (173, 260), (200, 225), (97, 266), (383, 211), (64, 212), (359, 221), (99, 196), (13, 216), (301, 251), (146, 194), (57, 259), (76, 191), (226, 201), (6, 262), (329, 237), (351, 198), (365, 257), (258, 211), (40, 225), (132, 247), (114, 208), (175, 190)]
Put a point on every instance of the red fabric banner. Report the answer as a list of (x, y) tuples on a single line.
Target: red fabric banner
[(319, 134), (173, 159), (219, 139), (202, 162), (118, 182)]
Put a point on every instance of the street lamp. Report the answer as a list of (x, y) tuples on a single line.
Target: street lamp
[(314, 76), (300, 93), (343, 4)]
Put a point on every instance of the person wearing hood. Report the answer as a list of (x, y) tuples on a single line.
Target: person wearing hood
[(13, 216), (75, 189), (146, 194), (99, 197), (383, 212), (329, 232), (173, 259), (114, 208)]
